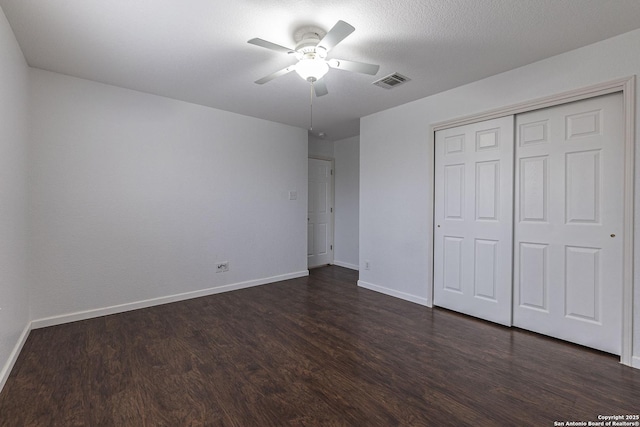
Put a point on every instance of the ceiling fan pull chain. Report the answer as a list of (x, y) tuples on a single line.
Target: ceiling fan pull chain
[(311, 109)]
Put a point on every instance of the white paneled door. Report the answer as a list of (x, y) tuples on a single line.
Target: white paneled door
[(569, 220), (320, 215), (473, 234)]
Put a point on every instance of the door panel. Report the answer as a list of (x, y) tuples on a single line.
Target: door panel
[(534, 189), (582, 293), (568, 233), (534, 273), (474, 218), (320, 215), (454, 193), (452, 264), (485, 269)]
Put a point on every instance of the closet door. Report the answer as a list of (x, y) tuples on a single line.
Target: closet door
[(474, 219), (568, 212)]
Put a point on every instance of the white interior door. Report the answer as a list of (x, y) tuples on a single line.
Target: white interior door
[(569, 221), (320, 215), (473, 234)]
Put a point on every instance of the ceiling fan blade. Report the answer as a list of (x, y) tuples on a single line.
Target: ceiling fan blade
[(335, 35), (358, 67), (269, 45), (320, 87), (276, 74)]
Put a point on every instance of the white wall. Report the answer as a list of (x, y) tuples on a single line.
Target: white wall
[(347, 200), (14, 294), (396, 164), (135, 197), (320, 147)]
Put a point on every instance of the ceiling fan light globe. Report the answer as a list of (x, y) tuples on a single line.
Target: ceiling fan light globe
[(312, 70)]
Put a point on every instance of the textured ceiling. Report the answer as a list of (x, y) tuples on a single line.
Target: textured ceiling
[(197, 50)]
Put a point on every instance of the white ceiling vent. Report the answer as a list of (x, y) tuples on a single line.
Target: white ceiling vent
[(392, 80)]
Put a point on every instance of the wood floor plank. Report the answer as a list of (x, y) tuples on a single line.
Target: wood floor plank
[(315, 351)]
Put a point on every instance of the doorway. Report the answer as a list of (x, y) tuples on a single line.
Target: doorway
[(568, 209), (320, 218)]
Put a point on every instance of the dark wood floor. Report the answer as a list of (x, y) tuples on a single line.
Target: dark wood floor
[(306, 352)]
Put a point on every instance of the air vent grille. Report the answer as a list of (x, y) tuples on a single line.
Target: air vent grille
[(392, 80)]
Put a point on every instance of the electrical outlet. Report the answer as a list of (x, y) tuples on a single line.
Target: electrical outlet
[(222, 267), (367, 264)]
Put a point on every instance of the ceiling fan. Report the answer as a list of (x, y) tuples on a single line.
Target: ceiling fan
[(311, 51)]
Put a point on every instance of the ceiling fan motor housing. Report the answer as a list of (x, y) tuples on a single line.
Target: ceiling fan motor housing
[(309, 45), (311, 65)]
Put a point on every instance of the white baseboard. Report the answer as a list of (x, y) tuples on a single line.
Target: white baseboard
[(346, 265), (394, 293), (6, 369), (635, 362), (121, 308)]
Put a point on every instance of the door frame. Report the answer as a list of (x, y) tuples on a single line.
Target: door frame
[(333, 203), (627, 87)]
